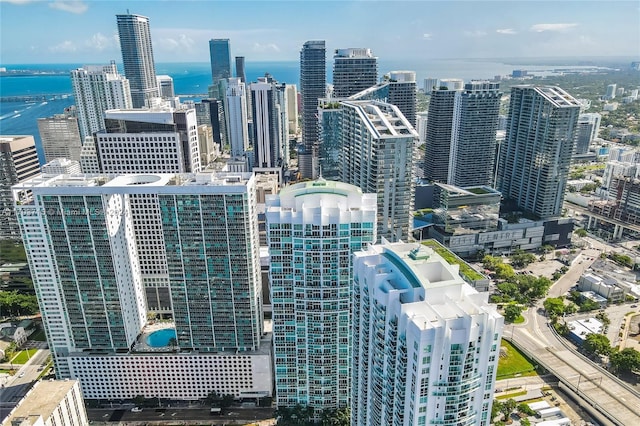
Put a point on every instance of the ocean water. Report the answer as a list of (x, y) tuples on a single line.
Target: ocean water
[(194, 79)]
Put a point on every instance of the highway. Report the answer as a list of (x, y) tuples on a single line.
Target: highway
[(617, 401)]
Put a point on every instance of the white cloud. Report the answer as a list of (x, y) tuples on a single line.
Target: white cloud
[(269, 47), (509, 31), (538, 28), (427, 36), (477, 33), (64, 47), (177, 43), (101, 42), (73, 6)]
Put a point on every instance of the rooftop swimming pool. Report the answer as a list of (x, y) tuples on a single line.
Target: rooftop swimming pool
[(160, 338)]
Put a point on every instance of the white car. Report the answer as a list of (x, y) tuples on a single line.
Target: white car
[(136, 410), (21, 374)]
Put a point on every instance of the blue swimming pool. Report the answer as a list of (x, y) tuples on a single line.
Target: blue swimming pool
[(161, 338)]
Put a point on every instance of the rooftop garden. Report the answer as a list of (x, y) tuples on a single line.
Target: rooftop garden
[(465, 270)]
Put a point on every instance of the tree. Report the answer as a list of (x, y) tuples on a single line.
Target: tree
[(507, 408), (554, 306), (521, 259), (512, 312), (496, 408), (504, 271), (581, 232), (597, 344), (625, 361), (525, 422), (524, 408), (227, 401), (339, 417)]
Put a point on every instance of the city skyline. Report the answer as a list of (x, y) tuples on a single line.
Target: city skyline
[(77, 31)]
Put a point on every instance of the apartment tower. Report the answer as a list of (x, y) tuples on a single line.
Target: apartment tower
[(354, 70), (313, 229), (313, 82), (137, 58), (461, 134), (536, 155), (96, 89), (84, 247), (425, 343), (377, 157)]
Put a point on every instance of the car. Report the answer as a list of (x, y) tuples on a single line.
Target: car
[(136, 410), (634, 306), (21, 374)]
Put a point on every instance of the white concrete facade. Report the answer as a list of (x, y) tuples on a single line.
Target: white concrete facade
[(96, 89), (236, 116), (425, 343)]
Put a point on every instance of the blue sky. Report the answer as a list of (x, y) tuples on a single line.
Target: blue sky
[(56, 31)]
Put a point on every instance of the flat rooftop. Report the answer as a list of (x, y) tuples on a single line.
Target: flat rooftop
[(41, 400)]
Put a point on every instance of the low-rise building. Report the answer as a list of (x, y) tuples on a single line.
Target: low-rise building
[(579, 329)]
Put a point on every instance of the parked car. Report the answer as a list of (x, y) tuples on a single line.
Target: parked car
[(136, 410)]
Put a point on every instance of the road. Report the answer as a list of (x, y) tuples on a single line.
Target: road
[(619, 403), (16, 386), (234, 415)]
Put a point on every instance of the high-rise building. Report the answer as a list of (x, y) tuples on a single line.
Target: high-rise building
[(266, 125), (461, 134), (292, 107), (425, 343), (97, 88), (377, 156), (235, 110), (165, 86), (313, 82), (163, 140), (430, 84), (240, 71), (354, 70), (211, 113), (137, 58), (60, 137), (220, 55), (611, 91), (588, 127), (85, 239), (50, 403), (18, 162), (313, 229), (536, 155), (398, 88)]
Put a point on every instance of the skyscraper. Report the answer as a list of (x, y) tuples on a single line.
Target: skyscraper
[(313, 228), (60, 137), (97, 88), (461, 134), (313, 82), (137, 58), (240, 72), (588, 126), (18, 162), (353, 71), (84, 250), (536, 155), (377, 156), (398, 88), (266, 125), (425, 343), (220, 54), (235, 110)]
